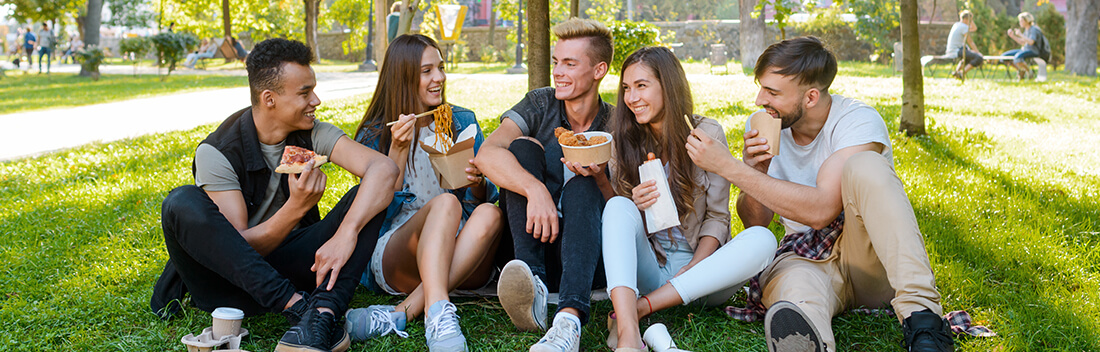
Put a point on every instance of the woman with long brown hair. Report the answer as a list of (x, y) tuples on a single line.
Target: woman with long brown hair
[(424, 259), (692, 262)]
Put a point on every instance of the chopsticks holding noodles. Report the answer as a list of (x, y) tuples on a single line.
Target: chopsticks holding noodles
[(429, 112)]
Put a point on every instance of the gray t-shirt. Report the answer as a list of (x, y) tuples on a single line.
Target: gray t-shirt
[(850, 123), (956, 39), (46, 39), (1032, 33), (214, 173)]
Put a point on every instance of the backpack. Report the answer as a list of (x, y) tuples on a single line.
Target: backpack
[(1044, 47)]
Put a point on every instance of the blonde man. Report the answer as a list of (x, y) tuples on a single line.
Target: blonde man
[(1030, 37), (960, 43), (553, 209)]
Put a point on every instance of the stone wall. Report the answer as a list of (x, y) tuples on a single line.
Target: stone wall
[(329, 47)]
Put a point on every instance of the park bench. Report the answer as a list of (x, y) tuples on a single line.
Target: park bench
[(1035, 61), (928, 64)]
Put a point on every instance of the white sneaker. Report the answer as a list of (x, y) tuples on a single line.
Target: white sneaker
[(564, 336), (523, 296)]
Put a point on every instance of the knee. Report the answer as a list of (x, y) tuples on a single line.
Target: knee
[(492, 215), (760, 242), (525, 143), (182, 203), (619, 213), (583, 189), (446, 205), (867, 167)]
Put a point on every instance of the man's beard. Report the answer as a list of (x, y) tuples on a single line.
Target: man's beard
[(787, 120)]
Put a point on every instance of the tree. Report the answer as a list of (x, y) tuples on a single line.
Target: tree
[(912, 94), (783, 11), (408, 11), (752, 35), (261, 19), (227, 19), (1081, 33), (312, 10), (538, 39), (130, 13)]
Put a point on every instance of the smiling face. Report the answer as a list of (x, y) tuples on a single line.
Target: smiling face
[(642, 93), (574, 73), (782, 97), (432, 78), (295, 105)]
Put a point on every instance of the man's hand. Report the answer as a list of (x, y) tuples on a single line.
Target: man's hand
[(403, 130), (707, 153), (645, 194), (542, 215), (587, 171), (307, 188), (332, 256), (755, 152)]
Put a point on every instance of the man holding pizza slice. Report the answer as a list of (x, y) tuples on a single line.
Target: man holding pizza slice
[(249, 237)]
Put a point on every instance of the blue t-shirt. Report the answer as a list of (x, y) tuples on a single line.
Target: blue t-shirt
[(27, 39)]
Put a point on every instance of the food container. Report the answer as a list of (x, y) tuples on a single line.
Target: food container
[(593, 154), (768, 127)]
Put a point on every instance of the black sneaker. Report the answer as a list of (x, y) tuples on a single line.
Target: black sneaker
[(926, 332), (296, 311), (318, 331), (787, 329)]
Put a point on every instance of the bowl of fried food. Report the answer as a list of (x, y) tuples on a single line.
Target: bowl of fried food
[(586, 148)]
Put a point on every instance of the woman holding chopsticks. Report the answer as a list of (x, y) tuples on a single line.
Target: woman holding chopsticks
[(414, 256), (695, 261)]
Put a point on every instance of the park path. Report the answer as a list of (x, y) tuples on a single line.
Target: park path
[(36, 132)]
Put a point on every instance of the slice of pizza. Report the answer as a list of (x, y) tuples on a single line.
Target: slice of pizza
[(295, 159)]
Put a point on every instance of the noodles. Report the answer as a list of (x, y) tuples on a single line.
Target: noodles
[(444, 124)]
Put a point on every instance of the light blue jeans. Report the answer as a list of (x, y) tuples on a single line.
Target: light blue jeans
[(629, 260)]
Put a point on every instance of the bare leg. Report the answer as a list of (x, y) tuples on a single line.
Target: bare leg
[(625, 302), (420, 251), (471, 263)]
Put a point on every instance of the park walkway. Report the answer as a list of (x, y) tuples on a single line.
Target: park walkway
[(36, 132)]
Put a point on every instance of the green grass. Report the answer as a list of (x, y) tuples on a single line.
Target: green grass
[(1005, 187), (39, 92)]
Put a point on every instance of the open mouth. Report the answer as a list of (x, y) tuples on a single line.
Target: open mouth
[(435, 90), (560, 84), (638, 110), (311, 115)]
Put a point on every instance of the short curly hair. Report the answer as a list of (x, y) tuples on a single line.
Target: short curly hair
[(265, 64)]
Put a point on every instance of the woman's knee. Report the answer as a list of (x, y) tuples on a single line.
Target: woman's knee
[(620, 214), (445, 204), (491, 217)]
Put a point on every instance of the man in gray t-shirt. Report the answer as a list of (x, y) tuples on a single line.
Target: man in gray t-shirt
[(957, 42), (246, 237), (45, 43), (851, 238)]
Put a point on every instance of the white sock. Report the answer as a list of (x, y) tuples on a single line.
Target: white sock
[(575, 319)]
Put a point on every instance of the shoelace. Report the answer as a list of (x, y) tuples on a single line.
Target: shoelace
[(321, 331), (942, 341), (561, 336), (445, 323), (381, 324)]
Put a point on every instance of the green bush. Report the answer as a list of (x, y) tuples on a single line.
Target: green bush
[(839, 36), (171, 48), (878, 22), (990, 36), (135, 48), (631, 36), (89, 58)]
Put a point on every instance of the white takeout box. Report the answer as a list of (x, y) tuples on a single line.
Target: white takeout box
[(662, 214)]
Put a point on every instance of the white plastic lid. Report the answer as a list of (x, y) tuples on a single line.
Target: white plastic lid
[(227, 313)]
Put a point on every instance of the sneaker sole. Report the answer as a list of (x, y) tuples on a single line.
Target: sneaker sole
[(794, 330), (516, 291), (340, 346)]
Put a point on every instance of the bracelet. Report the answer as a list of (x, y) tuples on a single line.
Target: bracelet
[(650, 304)]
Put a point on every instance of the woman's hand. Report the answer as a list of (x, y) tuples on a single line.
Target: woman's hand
[(403, 131), (645, 194), (474, 174)]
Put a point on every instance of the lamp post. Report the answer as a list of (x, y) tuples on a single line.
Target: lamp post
[(368, 64), (518, 68)]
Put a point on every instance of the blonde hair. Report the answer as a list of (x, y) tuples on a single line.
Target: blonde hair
[(598, 35), (1026, 16), (396, 7), (965, 15)]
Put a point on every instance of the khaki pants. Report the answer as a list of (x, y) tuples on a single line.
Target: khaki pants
[(878, 260)]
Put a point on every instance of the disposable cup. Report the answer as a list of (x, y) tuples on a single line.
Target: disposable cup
[(227, 322), (657, 338)]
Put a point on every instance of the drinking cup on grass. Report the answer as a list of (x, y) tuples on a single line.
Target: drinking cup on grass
[(227, 321)]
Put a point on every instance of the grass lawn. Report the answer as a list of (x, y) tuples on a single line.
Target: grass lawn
[(1005, 187), (37, 92)]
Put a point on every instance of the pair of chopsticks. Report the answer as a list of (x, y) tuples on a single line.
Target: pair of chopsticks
[(429, 112)]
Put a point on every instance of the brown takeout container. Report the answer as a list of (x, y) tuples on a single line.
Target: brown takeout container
[(451, 166), (768, 127), (593, 154)]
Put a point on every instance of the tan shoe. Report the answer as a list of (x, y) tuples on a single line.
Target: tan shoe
[(612, 331)]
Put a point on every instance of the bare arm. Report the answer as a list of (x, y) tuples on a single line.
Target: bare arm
[(751, 212), (400, 143), (501, 166)]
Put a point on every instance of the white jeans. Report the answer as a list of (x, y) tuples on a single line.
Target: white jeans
[(630, 262)]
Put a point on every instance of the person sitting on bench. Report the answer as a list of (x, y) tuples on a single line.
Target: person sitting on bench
[(957, 47)]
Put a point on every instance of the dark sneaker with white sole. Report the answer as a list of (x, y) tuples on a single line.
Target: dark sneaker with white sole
[(318, 331), (787, 329), (926, 332)]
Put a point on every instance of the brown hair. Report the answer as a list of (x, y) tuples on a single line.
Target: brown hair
[(804, 57), (396, 91), (598, 35), (633, 141), (965, 15)]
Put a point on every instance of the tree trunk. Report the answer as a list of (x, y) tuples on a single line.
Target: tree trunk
[(1081, 32), (752, 35), (91, 31), (538, 47), (912, 94), (408, 11), (574, 8), (381, 29), (227, 21), (312, 11), (492, 23)]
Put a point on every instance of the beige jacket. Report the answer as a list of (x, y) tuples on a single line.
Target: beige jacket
[(712, 202)]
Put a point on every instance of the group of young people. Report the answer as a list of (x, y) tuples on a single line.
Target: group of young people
[(960, 45), (246, 237)]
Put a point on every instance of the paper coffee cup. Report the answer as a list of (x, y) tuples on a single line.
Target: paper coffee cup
[(657, 338), (227, 322), (768, 127)]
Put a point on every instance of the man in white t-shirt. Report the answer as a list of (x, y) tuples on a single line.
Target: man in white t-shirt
[(246, 237), (957, 45), (851, 236)]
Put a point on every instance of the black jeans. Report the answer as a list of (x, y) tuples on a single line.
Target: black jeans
[(574, 267), (220, 269), (970, 57)]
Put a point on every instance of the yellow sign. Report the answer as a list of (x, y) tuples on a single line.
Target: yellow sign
[(450, 18)]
